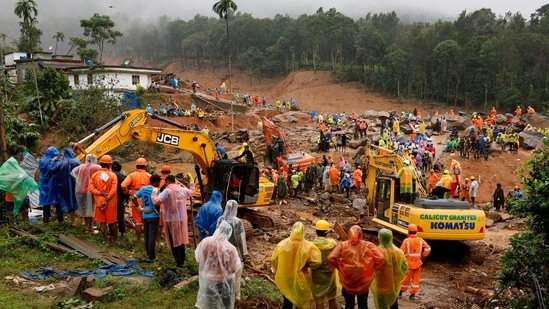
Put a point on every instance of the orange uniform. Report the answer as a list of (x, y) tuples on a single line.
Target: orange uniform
[(333, 174), (518, 111), (131, 185), (103, 185), (433, 179), (414, 248), (530, 110), (357, 177)]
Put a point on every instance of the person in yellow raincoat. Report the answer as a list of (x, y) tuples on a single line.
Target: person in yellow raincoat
[(446, 181), (291, 260), (386, 285), (325, 284)]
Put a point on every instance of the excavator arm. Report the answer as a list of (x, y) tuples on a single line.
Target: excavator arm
[(270, 129), (132, 125)]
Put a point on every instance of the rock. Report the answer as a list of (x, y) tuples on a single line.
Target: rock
[(489, 223), (505, 216), (356, 143), (494, 215), (370, 114), (74, 286), (93, 294), (538, 121), (359, 204), (406, 128), (459, 122), (495, 148), (501, 119), (325, 196), (530, 139), (502, 225), (338, 198)]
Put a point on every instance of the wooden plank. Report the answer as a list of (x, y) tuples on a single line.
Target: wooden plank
[(339, 231), (89, 249), (185, 282), (53, 246)]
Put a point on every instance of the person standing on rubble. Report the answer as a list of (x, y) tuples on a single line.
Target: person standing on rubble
[(407, 175), (325, 282), (474, 190), (291, 262), (357, 261), (386, 285), (415, 249)]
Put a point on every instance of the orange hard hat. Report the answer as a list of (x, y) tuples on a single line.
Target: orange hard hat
[(165, 168), (141, 161), (106, 159), (412, 227)]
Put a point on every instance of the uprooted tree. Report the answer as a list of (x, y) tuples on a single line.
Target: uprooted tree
[(526, 263)]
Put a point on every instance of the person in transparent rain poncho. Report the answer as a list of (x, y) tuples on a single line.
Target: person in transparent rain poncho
[(237, 238), (218, 262), (84, 199)]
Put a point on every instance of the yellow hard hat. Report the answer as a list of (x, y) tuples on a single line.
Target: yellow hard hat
[(446, 172), (322, 225), (244, 144), (472, 177)]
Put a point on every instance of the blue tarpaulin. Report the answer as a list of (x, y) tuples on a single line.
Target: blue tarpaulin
[(124, 270), (130, 101)]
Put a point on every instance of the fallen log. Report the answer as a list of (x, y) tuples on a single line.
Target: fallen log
[(185, 282), (262, 273), (50, 245)]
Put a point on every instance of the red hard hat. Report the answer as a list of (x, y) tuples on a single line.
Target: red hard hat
[(141, 161), (412, 227), (106, 159)]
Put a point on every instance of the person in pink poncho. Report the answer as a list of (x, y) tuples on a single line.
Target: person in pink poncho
[(174, 212)]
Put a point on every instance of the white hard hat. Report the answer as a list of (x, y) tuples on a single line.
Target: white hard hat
[(407, 162)]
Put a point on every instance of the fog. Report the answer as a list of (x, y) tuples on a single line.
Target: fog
[(64, 15)]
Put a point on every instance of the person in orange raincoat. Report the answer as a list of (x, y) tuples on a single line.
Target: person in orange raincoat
[(386, 285), (433, 179), (133, 182), (518, 111), (357, 261), (357, 177), (103, 186), (333, 174), (530, 110), (451, 113), (493, 112), (464, 189), (291, 260), (415, 249)]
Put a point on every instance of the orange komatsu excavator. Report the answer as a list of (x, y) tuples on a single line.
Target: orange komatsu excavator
[(278, 153)]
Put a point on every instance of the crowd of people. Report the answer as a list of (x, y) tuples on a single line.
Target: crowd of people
[(325, 268)]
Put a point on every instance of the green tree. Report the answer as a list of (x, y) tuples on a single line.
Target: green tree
[(82, 49), (30, 34), (99, 30), (58, 36), (526, 263), (223, 9)]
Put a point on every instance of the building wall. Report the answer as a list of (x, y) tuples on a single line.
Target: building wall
[(110, 80)]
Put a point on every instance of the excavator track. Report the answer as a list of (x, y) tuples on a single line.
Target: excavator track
[(256, 218)]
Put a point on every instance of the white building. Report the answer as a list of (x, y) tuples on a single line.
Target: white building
[(117, 78)]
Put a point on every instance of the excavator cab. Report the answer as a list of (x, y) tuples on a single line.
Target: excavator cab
[(238, 181)]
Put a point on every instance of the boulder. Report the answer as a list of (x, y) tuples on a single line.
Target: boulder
[(370, 114), (285, 118), (356, 143), (459, 122), (495, 148), (502, 225), (93, 294), (359, 203), (530, 139), (406, 128), (494, 215), (538, 121), (505, 216), (489, 223), (501, 119), (325, 196), (338, 198)]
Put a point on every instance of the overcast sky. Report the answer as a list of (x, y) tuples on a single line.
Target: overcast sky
[(186, 9)]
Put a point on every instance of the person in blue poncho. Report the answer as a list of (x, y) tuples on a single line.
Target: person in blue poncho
[(48, 189), (206, 219), (61, 169)]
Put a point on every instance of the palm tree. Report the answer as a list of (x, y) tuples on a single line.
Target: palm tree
[(223, 8), (59, 36), (28, 10)]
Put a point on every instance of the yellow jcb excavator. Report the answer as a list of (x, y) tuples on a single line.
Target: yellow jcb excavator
[(436, 219), (236, 180), (279, 153)]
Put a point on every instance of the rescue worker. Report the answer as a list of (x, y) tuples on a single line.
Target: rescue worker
[(433, 179), (61, 167), (386, 285), (464, 189), (151, 214), (237, 239), (48, 189), (345, 184), (291, 260), (499, 197), (103, 186), (245, 155), (133, 182), (333, 175), (474, 190), (407, 175), (208, 214), (86, 205), (324, 280), (530, 110), (310, 177), (439, 191), (121, 197), (217, 262), (357, 178), (295, 180), (357, 261), (446, 181), (415, 249), (455, 167), (518, 111)]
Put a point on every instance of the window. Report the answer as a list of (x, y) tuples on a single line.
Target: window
[(76, 79), (135, 79), (90, 79)]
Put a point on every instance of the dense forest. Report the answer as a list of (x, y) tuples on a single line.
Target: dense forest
[(477, 59)]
